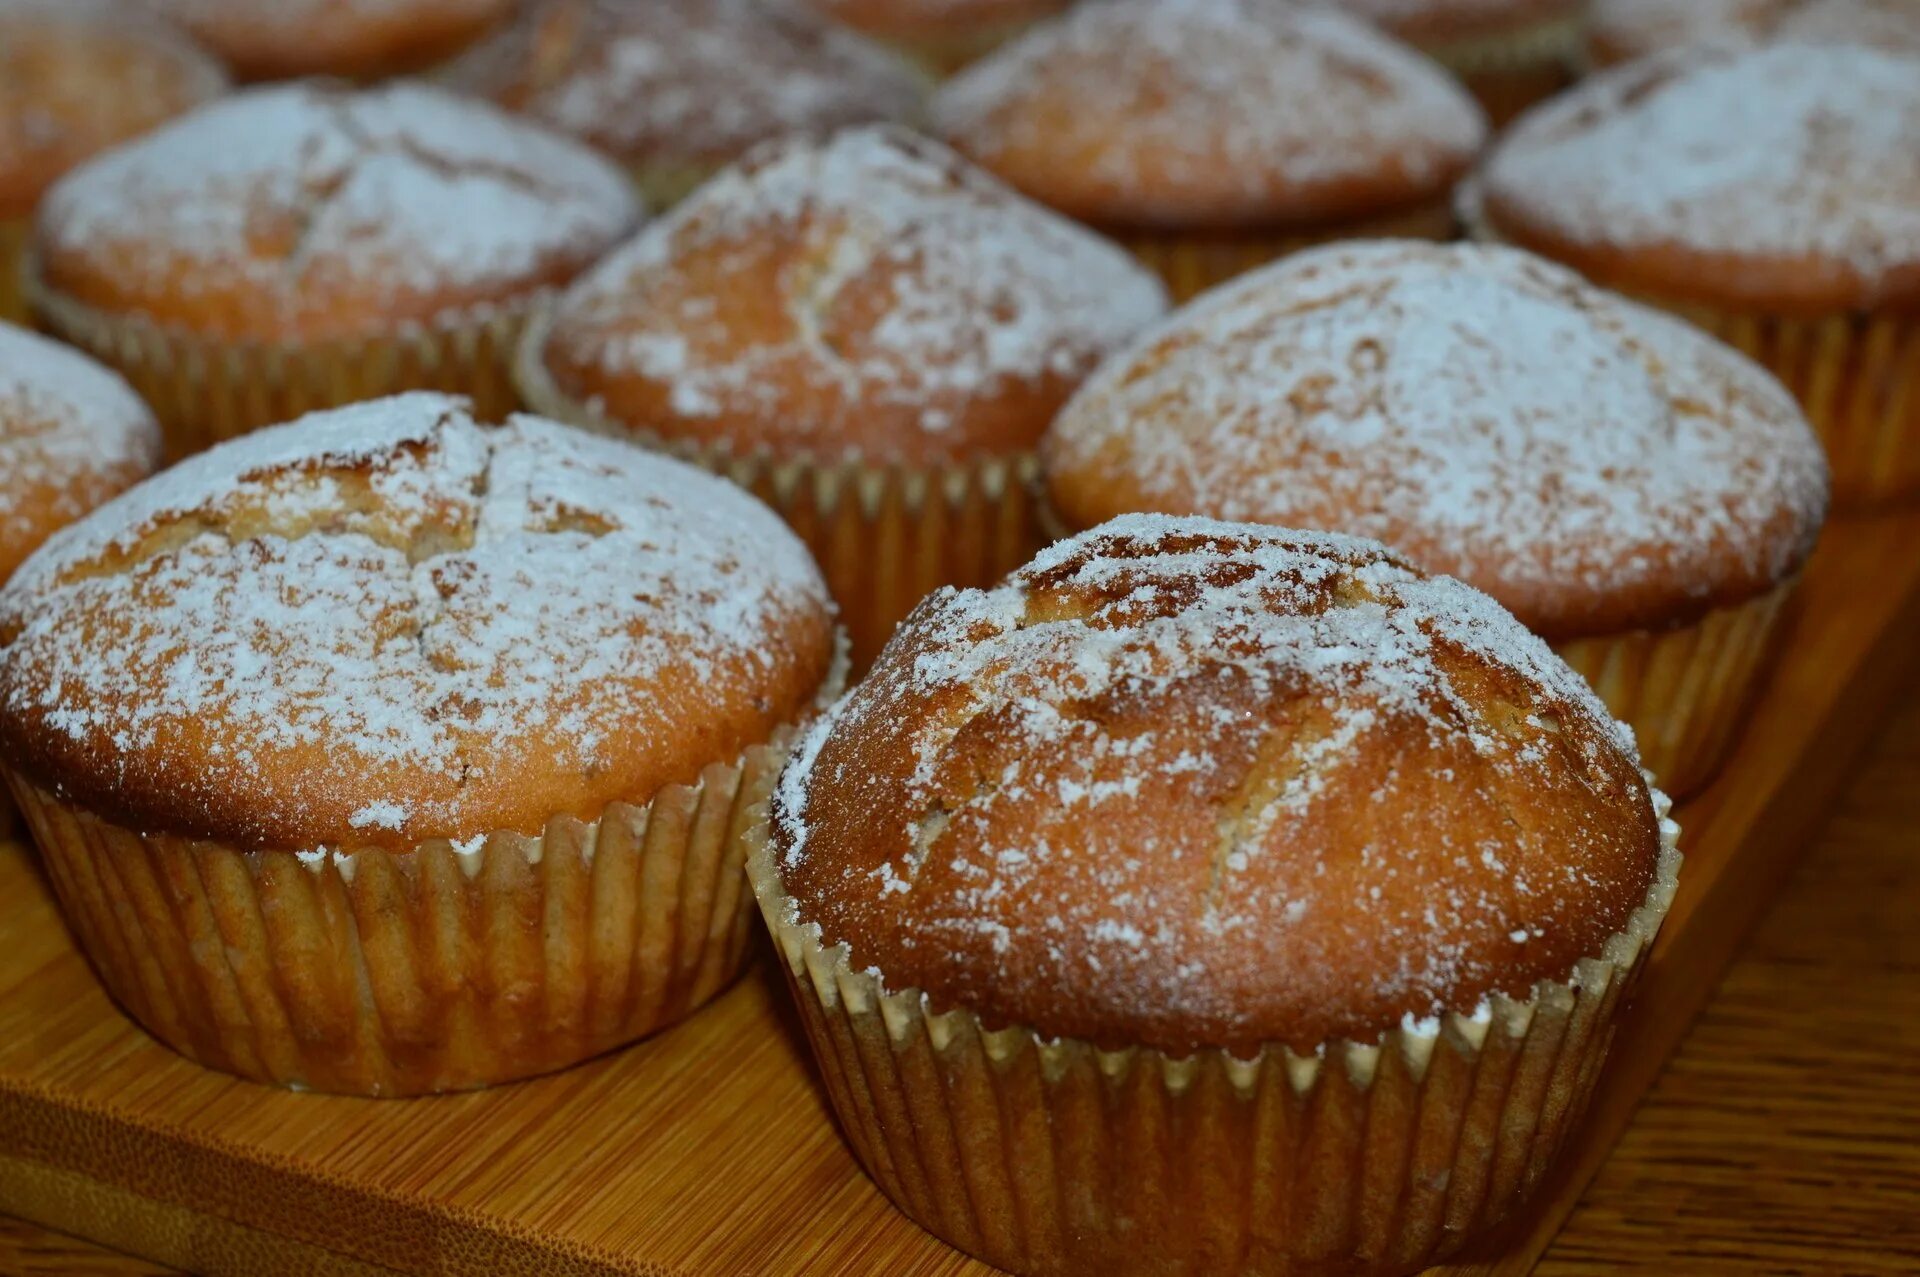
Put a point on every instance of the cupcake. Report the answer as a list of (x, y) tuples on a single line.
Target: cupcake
[(387, 753), (941, 35), (870, 334), (1212, 898), (1632, 490), (678, 90), (1771, 195), (1511, 53), (1621, 30), (71, 436), (358, 39), (1213, 135), (306, 246), (76, 77)]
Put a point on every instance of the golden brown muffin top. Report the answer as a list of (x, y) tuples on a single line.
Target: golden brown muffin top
[(78, 76), (386, 624), (872, 295), (686, 81), (277, 39), (1443, 21), (72, 434), (309, 212), (1188, 784), (1623, 29), (936, 19), (1782, 178), (1594, 465), (1204, 113)]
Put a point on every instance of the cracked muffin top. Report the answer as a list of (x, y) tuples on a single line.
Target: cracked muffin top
[(310, 212), (274, 39), (386, 624), (1184, 784)]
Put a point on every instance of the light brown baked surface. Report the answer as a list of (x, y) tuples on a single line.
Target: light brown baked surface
[(386, 624), (72, 434), (1213, 114), (686, 82), (935, 19), (78, 76), (1441, 22), (1186, 784), (280, 39), (310, 212), (871, 296), (1781, 178), (1620, 30), (1594, 465)]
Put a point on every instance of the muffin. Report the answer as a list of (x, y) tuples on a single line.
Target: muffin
[(1771, 195), (1633, 491), (305, 246), (1511, 53), (1621, 30), (870, 334), (677, 90), (358, 39), (71, 436), (1212, 898), (76, 77), (941, 35), (387, 753), (1213, 135)]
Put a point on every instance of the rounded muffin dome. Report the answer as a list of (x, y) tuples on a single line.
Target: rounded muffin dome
[(312, 212), (386, 624), (1188, 784), (1594, 465), (1624, 29), (275, 39), (1213, 113)]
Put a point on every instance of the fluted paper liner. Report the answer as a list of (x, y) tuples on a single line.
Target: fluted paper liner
[(204, 390), (884, 536), (1686, 691), (1512, 71), (439, 968), (14, 233), (1055, 1157)]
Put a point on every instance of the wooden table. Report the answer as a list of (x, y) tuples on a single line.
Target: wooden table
[(1782, 1138)]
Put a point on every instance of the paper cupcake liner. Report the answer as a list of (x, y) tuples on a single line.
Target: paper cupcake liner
[(884, 536), (440, 968), (1686, 692), (1190, 262), (941, 56), (1055, 1157), (662, 184), (204, 390), (1514, 70), (14, 234)]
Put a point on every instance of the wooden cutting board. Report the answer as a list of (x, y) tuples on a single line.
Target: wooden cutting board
[(709, 1150)]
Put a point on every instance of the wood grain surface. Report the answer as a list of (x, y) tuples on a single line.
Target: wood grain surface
[(1780, 1141)]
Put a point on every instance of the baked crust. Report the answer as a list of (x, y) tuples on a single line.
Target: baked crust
[(1620, 30), (385, 625), (1213, 113), (1184, 784), (1594, 465), (363, 39)]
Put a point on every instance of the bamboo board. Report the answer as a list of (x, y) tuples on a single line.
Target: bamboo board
[(709, 1150)]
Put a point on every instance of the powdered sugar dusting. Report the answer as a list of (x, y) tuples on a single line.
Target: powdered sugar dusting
[(1487, 413), (1630, 28)]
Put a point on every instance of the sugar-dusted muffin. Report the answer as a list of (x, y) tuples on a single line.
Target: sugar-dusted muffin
[(358, 39), (942, 35), (387, 753), (76, 77), (1634, 491), (305, 246), (678, 89), (1205, 865), (1511, 53), (1770, 194), (1213, 135), (867, 331), (1620, 30)]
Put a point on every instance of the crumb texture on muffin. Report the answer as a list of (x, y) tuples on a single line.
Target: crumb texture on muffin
[(1187, 784), (387, 624), (310, 211), (1212, 113), (271, 39), (1784, 176), (1623, 29), (872, 295), (686, 81), (78, 76), (72, 434), (1593, 464)]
